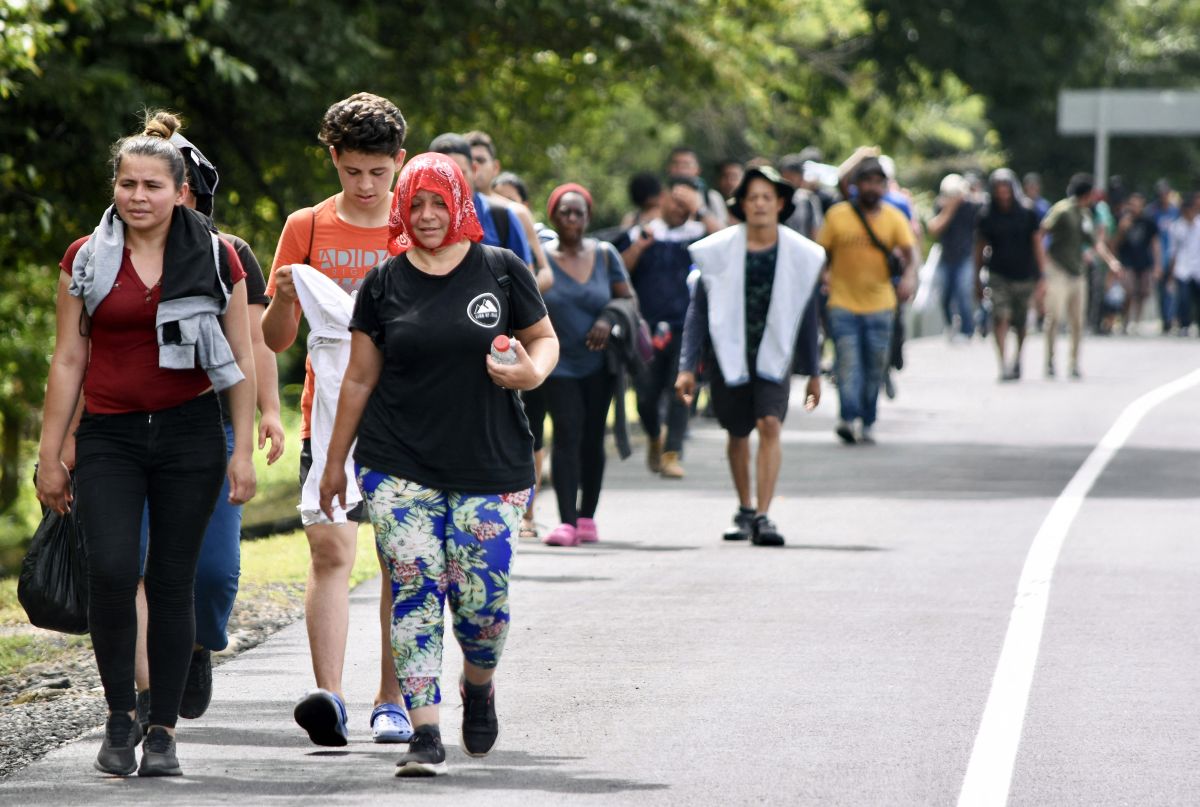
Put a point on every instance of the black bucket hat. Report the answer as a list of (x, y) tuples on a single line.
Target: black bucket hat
[(785, 190)]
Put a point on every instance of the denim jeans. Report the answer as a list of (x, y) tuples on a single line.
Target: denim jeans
[(219, 567), (174, 460), (958, 292), (862, 342)]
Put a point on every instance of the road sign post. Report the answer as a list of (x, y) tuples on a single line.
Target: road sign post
[(1105, 113)]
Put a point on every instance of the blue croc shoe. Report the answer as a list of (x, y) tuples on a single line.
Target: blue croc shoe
[(390, 724), (323, 715)]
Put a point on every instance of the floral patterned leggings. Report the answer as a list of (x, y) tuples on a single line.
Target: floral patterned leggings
[(441, 545)]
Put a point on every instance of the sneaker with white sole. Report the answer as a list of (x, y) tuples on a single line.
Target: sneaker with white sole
[(390, 724), (743, 525), (426, 756)]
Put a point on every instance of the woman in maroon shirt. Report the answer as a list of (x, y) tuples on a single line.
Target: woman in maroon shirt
[(149, 433)]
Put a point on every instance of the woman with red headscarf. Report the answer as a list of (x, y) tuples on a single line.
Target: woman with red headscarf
[(444, 455), (588, 274)]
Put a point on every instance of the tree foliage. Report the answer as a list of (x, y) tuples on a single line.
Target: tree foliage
[(584, 90)]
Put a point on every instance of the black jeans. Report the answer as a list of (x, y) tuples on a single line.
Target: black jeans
[(172, 461), (579, 410), (658, 381)]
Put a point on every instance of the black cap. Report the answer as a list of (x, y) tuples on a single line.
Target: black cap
[(785, 190), (871, 166)]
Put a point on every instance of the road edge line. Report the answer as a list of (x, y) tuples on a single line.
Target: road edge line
[(988, 778)]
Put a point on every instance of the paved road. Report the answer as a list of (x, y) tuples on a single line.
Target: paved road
[(850, 668)]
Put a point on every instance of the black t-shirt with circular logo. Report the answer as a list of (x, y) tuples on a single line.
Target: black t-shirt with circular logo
[(435, 416)]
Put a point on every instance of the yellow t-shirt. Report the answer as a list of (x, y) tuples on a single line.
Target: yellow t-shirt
[(858, 273)]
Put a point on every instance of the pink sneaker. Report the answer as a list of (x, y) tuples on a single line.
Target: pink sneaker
[(585, 530), (562, 535)]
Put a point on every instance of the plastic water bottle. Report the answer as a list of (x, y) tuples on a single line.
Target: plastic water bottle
[(503, 351), (662, 335)]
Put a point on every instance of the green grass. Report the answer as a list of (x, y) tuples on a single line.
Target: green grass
[(11, 612), (278, 486), (23, 649), (284, 559)]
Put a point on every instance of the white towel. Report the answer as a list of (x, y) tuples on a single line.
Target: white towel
[(328, 310), (721, 258)]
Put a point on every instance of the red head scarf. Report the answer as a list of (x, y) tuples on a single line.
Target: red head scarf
[(558, 193), (440, 174)]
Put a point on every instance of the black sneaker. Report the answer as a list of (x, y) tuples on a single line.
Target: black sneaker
[(765, 532), (480, 728), (323, 715), (426, 756), (743, 525), (121, 737), (143, 710), (158, 754), (197, 690)]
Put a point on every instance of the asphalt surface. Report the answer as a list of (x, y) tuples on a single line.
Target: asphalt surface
[(663, 666)]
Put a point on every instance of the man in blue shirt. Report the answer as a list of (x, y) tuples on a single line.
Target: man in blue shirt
[(509, 233), (1165, 212), (656, 254)]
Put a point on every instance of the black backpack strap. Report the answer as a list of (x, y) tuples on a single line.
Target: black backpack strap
[(871, 233), (493, 259), (894, 267), (312, 233), (502, 223)]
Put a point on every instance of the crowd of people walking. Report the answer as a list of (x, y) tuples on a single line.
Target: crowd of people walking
[(446, 323)]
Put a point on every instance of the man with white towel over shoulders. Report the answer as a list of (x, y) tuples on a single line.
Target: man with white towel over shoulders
[(752, 320)]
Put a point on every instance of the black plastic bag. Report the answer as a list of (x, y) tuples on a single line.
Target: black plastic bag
[(53, 586)]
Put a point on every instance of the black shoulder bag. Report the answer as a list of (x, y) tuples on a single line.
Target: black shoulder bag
[(895, 267)]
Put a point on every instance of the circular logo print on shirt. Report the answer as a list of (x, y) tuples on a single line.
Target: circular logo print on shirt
[(484, 310)]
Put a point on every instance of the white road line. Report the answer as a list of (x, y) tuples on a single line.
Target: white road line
[(989, 772)]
